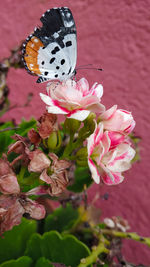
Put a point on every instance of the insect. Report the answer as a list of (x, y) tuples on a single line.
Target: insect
[(51, 51)]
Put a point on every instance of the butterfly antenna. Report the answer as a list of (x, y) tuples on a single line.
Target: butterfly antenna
[(87, 67), (93, 68), (81, 66)]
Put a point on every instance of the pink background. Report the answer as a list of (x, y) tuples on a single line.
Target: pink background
[(113, 35)]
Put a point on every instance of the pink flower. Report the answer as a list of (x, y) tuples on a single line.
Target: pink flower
[(74, 99), (117, 120), (109, 154)]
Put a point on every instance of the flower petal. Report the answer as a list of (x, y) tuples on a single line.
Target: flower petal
[(9, 184), (97, 90), (117, 178), (108, 113), (80, 115), (36, 210), (94, 171)]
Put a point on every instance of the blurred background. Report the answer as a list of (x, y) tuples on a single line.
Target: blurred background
[(114, 35)]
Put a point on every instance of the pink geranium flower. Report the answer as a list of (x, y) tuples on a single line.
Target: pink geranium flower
[(109, 154), (117, 120), (74, 99)]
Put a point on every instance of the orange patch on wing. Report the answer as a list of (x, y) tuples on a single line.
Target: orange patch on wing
[(31, 54)]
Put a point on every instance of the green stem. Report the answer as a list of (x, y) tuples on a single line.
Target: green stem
[(68, 148), (97, 250), (128, 235), (71, 146), (21, 174)]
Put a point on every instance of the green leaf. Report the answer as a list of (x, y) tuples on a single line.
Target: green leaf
[(102, 225), (67, 250), (29, 181), (42, 262), (61, 219), (100, 265), (13, 244), (5, 137), (25, 126), (21, 262), (82, 179)]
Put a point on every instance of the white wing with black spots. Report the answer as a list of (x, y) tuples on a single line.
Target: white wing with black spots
[(51, 51)]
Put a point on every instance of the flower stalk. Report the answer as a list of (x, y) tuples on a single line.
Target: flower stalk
[(96, 251), (128, 235)]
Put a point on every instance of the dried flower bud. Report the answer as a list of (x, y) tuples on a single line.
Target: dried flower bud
[(20, 147), (11, 213), (34, 137), (59, 178), (8, 180), (36, 210), (38, 162), (48, 125)]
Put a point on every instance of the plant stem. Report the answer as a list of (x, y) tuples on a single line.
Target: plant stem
[(100, 248), (21, 174), (128, 235)]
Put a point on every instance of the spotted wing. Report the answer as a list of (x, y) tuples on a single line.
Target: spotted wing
[(51, 51)]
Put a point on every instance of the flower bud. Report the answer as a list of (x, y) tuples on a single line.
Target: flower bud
[(81, 157), (54, 140), (71, 125), (90, 122)]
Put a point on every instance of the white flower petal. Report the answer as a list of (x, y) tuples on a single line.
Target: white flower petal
[(46, 99), (99, 91), (80, 115), (56, 110)]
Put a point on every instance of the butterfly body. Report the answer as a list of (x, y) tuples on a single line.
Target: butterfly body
[(51, 51)]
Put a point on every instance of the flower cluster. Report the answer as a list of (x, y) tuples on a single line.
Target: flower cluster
[(109, 147), (90, 136)]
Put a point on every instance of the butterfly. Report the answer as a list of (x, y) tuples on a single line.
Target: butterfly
[(51, 51)]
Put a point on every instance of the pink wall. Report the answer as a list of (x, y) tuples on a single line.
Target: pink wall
[(113, 35)]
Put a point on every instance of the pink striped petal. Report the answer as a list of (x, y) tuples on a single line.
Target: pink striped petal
[(97, 90), (116, 138), (98, 133), (117, 178), (94, 171), (83, 86), (108, 113)]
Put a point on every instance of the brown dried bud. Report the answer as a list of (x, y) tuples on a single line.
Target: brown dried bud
[(59, 178), (47, 125), (36, 210), (13, 207), (38, 162), (8, 180), (20, 147), (11, 212), (34, 137)]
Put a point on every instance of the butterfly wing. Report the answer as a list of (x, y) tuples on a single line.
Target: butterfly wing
[(51, 51)]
